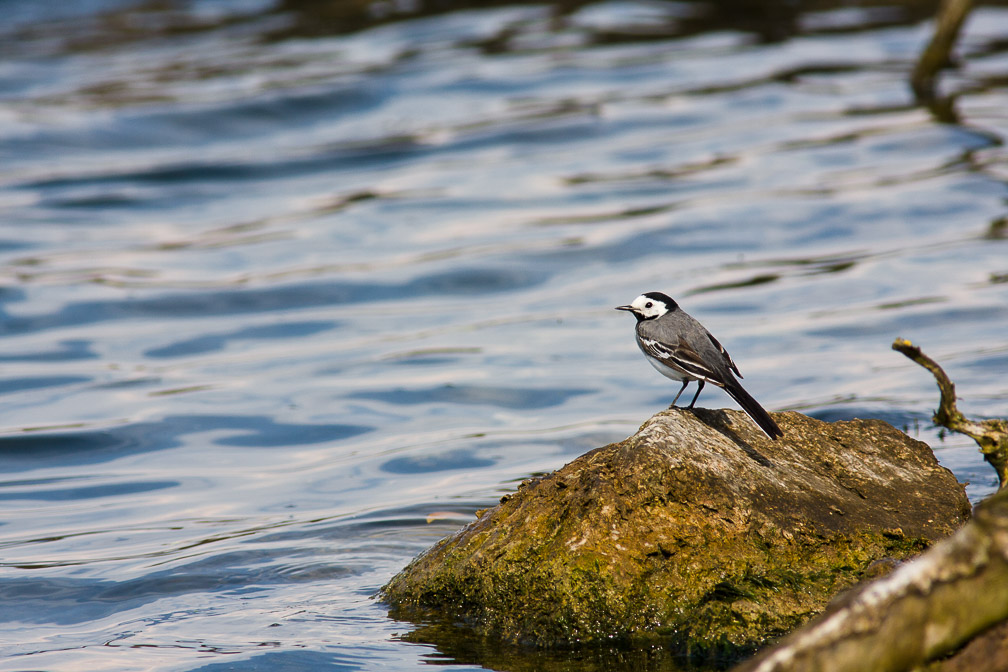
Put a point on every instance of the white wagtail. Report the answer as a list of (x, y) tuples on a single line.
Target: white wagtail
[(681, 349)]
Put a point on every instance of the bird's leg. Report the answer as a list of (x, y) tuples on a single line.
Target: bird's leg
[(700, 385), (684, 384)]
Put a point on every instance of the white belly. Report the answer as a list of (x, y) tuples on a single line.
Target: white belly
[(668, 372)]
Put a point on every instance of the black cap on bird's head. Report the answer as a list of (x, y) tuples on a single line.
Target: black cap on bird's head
[(650, 305)]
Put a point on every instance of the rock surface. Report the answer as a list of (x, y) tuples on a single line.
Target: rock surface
[(697, 530)]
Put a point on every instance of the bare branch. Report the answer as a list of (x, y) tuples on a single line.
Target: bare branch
[(991, 435)]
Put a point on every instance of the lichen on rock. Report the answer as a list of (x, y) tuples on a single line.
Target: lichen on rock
[(697, 530)]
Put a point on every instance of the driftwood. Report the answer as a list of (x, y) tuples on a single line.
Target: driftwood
[(924, 610), (951, 16), (991, 435)]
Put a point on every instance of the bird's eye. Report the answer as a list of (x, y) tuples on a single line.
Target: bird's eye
[(648, 305)]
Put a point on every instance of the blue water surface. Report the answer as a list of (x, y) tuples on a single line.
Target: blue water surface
[(289, 290)]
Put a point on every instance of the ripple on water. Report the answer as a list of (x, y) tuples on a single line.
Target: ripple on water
[(216, 342), (30, 450), (504, 397), (209, 303)]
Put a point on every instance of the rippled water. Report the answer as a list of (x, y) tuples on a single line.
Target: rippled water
[(290, 289)]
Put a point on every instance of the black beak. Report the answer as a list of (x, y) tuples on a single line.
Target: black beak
[(630, 308)]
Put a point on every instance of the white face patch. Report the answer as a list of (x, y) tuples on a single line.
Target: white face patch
[(649, 307)]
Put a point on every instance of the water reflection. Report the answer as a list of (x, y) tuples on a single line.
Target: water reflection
[(457, 645)]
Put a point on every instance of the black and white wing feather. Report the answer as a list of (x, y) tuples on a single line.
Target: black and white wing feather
[(681, 357), (724, 353)]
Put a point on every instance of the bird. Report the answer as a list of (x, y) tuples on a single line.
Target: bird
[(680, 348)]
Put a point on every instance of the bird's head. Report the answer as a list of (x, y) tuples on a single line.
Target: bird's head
[(650, 305)]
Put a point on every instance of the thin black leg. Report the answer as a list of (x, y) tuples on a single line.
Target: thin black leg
[(684, 384), (700, 385)]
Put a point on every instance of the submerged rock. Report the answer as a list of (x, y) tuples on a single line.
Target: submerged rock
[(697, 530)]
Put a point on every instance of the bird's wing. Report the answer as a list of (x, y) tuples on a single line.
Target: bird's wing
[(683, 357), (724, 353)]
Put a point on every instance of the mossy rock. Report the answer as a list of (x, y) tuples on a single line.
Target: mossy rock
[(697, 530)]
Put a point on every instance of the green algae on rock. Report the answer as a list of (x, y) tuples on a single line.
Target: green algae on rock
[(697, 530)]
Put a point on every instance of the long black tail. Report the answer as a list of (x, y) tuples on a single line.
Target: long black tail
[(755, 411)]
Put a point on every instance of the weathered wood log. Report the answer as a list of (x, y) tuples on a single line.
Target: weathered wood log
[(920, 612)]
